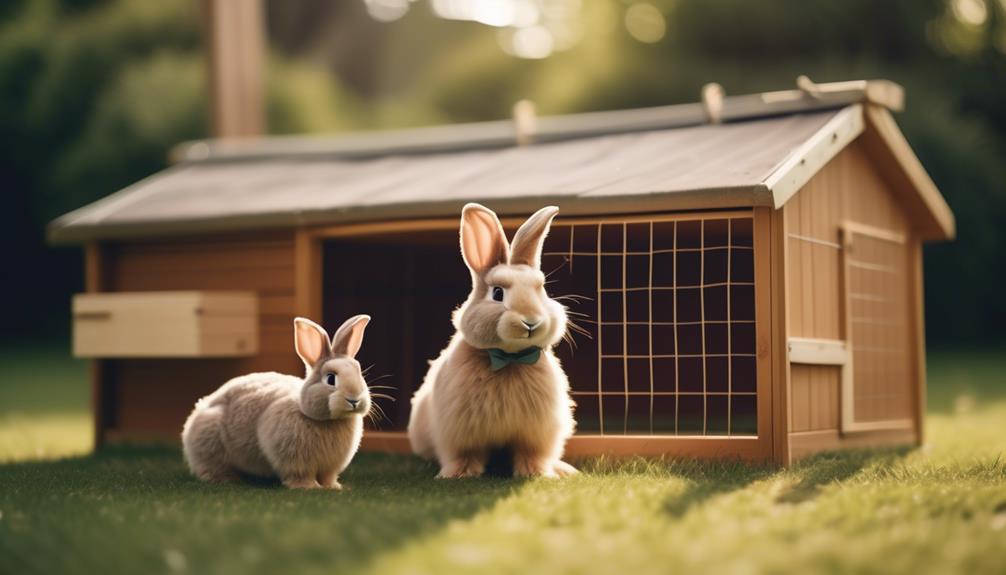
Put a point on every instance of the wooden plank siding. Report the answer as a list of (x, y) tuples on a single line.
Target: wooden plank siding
[(848, 191), (152, 397), (816, 397)]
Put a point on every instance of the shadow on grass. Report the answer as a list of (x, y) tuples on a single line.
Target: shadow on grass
[(710, 479), (818, 471), (704, 479), (141, 503), (707, 480)]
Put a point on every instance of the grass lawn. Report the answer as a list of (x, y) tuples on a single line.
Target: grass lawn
[(938, 509)]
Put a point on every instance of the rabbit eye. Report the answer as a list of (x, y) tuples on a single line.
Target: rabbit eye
[(331, 379), (497, 294)]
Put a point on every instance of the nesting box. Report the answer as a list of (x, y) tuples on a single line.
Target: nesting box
[(750, 280), (165, 324)]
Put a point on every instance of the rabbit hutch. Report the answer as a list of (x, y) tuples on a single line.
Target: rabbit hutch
[(747, 270)]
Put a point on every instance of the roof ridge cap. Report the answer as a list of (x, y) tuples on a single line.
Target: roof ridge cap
[(807, 97)]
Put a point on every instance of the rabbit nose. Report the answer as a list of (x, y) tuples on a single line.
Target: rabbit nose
[(352, 403), (531, 323)]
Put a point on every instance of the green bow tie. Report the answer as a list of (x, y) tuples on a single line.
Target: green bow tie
[(498, 359)]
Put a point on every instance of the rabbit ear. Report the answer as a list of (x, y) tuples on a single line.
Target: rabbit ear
[(310, 340), (349, 337), (528, 240), (483, 244)]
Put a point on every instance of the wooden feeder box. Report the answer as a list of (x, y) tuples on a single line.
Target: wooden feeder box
[(165, 324)]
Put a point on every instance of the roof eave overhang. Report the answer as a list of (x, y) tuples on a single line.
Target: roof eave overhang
[(787, 178), (741, 197)]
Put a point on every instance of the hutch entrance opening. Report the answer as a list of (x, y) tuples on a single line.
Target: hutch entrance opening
[(665, 309)]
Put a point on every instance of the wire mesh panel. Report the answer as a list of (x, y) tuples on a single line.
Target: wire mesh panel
[(879, 311), (668, 306)]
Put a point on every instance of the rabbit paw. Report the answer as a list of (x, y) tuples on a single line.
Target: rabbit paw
[(330, 481), (461, 468), (301, 483), (531, 466), (535, 467), (218, 476), (563, 469)]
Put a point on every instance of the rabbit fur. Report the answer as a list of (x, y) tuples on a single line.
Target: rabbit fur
[(464, 409), (304, 431)]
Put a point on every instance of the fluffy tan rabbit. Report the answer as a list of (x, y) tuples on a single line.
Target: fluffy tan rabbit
[(304, 431), (498, 383)]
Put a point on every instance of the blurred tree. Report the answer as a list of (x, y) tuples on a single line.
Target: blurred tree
[(61, 65), (94, 92)]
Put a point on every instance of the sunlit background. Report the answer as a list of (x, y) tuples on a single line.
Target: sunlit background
[(93, 93)]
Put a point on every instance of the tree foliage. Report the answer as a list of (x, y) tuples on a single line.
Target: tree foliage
[(93, 94)]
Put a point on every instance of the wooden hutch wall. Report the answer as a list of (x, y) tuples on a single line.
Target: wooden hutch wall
[(847, 192), (142, 399)]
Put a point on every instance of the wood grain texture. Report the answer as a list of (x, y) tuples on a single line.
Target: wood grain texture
[(308, 275), (101, 388), (780, 308), (908, 180), (580, 446), (766, 301), (880, 317), (833, 300), (918, 339), (152, 397), (808, 443), (807, 160), (165, 324), (815, 397), (849, 189), (818, 351)]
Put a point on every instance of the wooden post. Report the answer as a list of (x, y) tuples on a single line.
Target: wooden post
[(94, 282), (307, 275), (234, 36), (780, 335), (918, 338)]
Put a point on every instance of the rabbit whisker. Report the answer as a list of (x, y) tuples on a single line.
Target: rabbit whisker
[(562, 265), (578, 329), (380, 411), (566, 337), (574, 297)]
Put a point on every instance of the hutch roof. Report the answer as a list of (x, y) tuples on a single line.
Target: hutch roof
[(759, 152)]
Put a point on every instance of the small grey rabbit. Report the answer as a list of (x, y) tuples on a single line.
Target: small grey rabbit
[(304, 431)]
